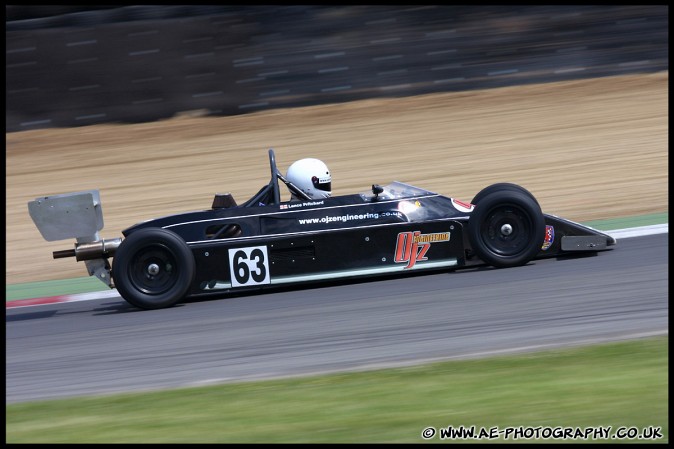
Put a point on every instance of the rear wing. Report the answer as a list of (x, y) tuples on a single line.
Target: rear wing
[(69, 215), (77, 215)]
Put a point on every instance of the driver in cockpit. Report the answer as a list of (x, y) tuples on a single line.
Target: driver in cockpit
[(312, 177)]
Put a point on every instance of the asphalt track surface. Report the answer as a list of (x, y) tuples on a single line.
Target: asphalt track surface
[(106, 346)]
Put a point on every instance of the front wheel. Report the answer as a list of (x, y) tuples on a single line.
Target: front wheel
[(153, 268), (507, 228), (500, 187)]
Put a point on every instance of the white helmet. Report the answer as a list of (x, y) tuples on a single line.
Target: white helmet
[(312, 177)]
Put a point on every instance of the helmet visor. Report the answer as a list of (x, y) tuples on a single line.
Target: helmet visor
[(322, 184)]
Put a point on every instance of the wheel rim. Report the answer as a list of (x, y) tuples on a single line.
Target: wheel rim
[(507, 230), (153, 269)]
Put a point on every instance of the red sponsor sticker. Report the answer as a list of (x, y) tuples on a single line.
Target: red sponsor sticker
[(549, 237), (462, 205)]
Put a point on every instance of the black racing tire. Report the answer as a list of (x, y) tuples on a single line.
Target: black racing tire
[(153, 268), (500, 187), (506, 228)]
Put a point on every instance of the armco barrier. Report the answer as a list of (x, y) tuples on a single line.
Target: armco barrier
[(143, 63)]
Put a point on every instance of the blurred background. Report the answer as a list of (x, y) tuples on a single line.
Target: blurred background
[(160, 107), (82, 65)]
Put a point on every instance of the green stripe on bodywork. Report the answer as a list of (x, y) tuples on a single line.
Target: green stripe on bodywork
[(90, 284), (362, 272)]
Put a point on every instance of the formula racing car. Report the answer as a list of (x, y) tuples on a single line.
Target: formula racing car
[(265, 242)]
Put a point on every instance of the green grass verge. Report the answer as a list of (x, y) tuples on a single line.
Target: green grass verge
[(619, 385), (630, 222), (53, 288)]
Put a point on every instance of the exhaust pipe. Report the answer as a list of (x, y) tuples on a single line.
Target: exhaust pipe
[(99, 249)]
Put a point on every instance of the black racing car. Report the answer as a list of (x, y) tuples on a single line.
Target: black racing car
[(264, 242)]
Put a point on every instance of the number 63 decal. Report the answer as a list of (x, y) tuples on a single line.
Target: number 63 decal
[(249, 266)]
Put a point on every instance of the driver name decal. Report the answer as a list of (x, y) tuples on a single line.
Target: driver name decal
[(412, 246), (305, 204)]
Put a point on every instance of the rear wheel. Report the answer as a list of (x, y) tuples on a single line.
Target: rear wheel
[(153, 268), (506, 228)]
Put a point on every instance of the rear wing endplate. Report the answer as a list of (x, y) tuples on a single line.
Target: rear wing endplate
[(69, 215)]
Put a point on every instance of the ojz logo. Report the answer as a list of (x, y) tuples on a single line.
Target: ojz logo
[(411, 247)]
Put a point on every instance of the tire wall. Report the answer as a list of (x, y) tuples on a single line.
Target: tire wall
[(143, 63)]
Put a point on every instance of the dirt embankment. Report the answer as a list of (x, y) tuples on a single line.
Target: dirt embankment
[(588, 149)]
